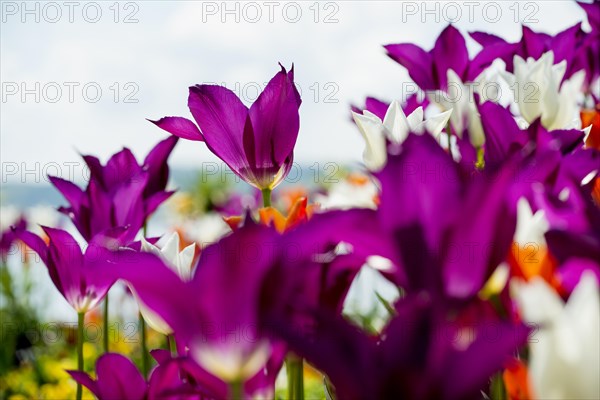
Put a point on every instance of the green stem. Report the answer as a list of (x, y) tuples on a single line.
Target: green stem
[(172, 344), (497, 388), (80, 318), (236, 389), (145, 360), (295, 372), (106, 333), (266, 195)]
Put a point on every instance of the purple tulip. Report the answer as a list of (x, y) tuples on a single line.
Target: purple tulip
[(427, 351), (216, 314), (257, 143), (429, 69), (449, 238), (10, 236), (120, 194), (79, 277), (118, 378)]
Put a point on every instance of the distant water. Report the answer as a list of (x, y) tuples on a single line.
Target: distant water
[(26, 195)]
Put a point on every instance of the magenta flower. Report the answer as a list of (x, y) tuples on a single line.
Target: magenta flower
[(118, 378), (220, 327), (9, 236), (120, 194), (429, 69), (79, 277), (428, 351), (450, 236), (257, 143)]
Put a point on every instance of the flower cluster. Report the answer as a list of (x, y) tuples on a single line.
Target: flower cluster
[(478, 215)]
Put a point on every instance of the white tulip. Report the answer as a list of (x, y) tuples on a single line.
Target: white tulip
[(565, 351), (537, 90), (178, 261), (460, 96), (531, 227), (395, 127), (349, 194)]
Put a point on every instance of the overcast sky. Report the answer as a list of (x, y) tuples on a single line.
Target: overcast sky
[(167, 46)]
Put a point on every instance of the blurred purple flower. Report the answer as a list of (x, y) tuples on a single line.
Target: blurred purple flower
[(120, 194), (427, 351), (220, 327), (454, 229), (9, 236), (79, 277), (118, 378), (429, 69), (256, 143)]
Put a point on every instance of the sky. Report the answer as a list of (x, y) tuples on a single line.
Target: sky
[(82, 77)]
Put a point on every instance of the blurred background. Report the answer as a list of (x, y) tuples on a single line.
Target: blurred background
[(82, 77)]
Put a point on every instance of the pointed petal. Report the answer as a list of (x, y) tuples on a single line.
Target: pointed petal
[(396, 123), (35, 243), (66, 265), (417, 61), (156, 166), (96, 169), (120, 168), (180, 127), (415, 118), (71, 192), (436, 124), (221, 117), (372, 130), (86, 380), (118, 378), (275, 121), (450, 52)]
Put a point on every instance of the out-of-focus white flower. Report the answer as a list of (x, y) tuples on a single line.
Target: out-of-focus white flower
[(531, 227), (565, 351), (357, 191), (47, 216), (205, 230), (537, 90), (231, 363), (460, 97), (180, 262), (395, 127), (8, 216)]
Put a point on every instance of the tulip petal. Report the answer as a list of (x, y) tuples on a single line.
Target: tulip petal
[(275, 121), (118, 378), (450, 52), (221, 117), (156, 165), (71, 192), (482, 240), (180, 127), (417, 61)]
